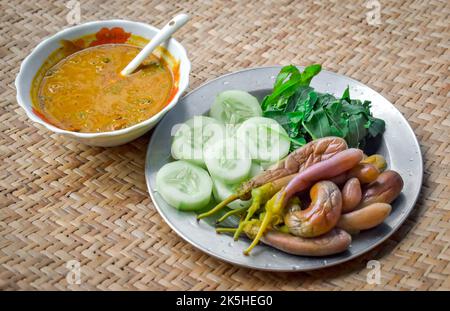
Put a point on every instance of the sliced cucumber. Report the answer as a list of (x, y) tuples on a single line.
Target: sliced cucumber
[(266, 139), (221, 191), (228, 161), (193, 137), (184, 186), (235, 106), (231, 130)]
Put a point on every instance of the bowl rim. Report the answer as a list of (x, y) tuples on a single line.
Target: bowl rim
[(64, 33)]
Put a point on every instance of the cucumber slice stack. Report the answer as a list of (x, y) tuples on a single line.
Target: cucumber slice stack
[(193, 136), (229, 156), (227, 161), (266, 139)]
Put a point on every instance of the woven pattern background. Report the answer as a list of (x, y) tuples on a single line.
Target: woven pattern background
[(62, 201)]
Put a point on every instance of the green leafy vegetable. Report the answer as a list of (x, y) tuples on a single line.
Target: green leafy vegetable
[(287, 83), (306, 114)]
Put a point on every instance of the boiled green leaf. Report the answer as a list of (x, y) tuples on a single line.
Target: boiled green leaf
[(317, 124), (356, 130), (306, 114)]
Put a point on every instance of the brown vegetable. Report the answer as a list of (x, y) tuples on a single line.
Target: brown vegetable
[(378, 160), (321, 215), (351, 195), (333, 242), (365, 218), (298, 160), (324, 170), (339, 179), (384, 189), (365, 172)]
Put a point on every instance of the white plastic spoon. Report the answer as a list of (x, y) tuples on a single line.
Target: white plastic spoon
[(160, 37)]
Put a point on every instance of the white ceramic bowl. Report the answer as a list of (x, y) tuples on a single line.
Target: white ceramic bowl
[(39, 55)]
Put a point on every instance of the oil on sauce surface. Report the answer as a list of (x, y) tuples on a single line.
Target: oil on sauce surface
[(86, 93)]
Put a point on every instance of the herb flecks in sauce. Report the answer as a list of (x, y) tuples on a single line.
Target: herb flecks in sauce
[(85, 91)]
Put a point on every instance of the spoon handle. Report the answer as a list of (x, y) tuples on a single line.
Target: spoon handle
[(172, 26)]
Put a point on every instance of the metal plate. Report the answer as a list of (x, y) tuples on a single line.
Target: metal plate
[(399, 145)]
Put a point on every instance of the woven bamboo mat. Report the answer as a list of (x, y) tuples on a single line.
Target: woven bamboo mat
[(63, 201)]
